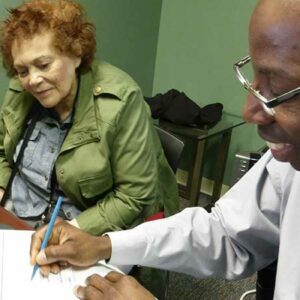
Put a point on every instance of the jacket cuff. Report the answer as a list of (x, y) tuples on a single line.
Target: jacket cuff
[(4, 180)]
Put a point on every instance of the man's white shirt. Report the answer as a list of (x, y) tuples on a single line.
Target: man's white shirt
[(253, 224)]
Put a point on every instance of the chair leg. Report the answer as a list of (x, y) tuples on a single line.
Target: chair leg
[(243, 297), (265, 283), (167, 285)]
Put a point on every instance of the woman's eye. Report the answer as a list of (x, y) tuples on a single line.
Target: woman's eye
[(22, 73), (44, 66)]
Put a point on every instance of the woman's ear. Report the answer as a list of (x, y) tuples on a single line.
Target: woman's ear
[(78, 61), (77, 51)]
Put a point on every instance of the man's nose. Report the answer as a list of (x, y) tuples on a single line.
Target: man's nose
[(254, 111)]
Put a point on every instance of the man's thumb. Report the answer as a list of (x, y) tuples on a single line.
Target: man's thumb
[(50, 255), (41, 258)]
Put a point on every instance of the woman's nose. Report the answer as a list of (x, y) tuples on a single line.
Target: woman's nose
[(34, 79), (255, 112)]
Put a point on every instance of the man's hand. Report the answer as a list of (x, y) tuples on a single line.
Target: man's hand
[(114, 286), (67, 245)]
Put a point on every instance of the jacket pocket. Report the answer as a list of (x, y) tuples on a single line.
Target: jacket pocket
[(94, 188)]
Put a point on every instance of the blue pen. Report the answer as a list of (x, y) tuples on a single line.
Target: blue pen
[(49, 230)]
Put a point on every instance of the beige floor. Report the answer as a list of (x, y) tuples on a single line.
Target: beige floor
[(183, 287)]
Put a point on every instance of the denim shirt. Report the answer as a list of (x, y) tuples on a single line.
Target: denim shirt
[(31, 187)]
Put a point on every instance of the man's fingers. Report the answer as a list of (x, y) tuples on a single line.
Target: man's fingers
[(36, 242), (45, 270), (78, 291), (53, 254), (64, 264), (55, 268), (89, 292), (41, 258), (98, 282), (114, 276)]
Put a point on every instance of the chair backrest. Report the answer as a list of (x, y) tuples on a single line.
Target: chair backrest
[(172, 147)]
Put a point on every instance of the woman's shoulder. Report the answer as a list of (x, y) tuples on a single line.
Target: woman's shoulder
[(11, 96), (113, 80)]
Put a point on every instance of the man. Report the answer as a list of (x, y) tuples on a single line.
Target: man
[(255, 223)]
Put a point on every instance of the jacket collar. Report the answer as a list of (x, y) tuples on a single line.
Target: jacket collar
[(84, 128), (100, 79), (15, 113)]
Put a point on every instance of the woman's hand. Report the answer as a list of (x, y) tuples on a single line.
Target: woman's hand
[(114, 286), (67, 245), (1, 193)]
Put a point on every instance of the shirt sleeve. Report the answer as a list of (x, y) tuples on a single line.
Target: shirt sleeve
[(239, 236), (134, 171)]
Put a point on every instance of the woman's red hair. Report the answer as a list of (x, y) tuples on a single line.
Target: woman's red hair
[(72, 34)]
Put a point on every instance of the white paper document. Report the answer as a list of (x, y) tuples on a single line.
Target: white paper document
[(15, 272)]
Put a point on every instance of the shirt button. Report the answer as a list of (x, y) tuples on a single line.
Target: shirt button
[(52, 150), (61, 171), (46, 178)]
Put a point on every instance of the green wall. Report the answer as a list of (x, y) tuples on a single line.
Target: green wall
[(127, 33), (3, 79), (199, 40), (188, 45)]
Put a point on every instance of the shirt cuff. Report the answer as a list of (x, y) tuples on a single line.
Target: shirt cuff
[(128, 246), (74, 223)]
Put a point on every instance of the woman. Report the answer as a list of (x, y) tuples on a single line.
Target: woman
[(92, 139)]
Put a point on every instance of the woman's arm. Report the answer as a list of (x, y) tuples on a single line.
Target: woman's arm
[(134, 171), (5, 169)]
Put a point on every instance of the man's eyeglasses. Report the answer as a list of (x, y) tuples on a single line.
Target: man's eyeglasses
[(268, 104)]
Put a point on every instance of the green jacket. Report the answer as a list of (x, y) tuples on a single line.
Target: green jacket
[(111, 163)]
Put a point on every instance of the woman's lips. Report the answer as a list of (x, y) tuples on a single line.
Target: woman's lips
[(42, 93)]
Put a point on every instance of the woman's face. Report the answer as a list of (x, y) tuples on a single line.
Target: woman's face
[(48, 75)]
